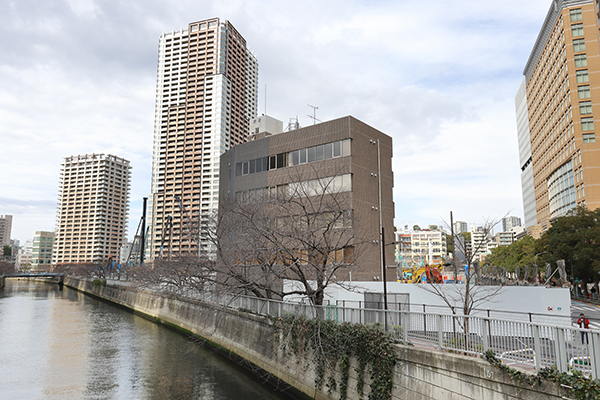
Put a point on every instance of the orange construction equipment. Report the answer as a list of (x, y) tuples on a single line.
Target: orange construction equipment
[(433, 275), (426, 273)]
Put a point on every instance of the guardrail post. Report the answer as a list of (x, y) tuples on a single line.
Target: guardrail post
[(440, 324), (560, 352), (404, 325), (485, 332), (537, 347), (595, 355)]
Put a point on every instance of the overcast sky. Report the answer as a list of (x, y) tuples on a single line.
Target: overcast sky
[(440, 77)]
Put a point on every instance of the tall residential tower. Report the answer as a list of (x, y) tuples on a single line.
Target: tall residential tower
[(557, 105), (93, 205), (5, 229), (206, 94)]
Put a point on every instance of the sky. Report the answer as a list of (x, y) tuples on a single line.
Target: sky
[(440, 77)]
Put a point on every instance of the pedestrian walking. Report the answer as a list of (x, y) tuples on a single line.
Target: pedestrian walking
[(584, 323)]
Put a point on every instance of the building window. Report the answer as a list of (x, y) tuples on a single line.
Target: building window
[(589, 138), (561, 190), (580, 60), (582, 76), (578, 45), (583, 92), (585, 107), (587, 124), (296, 157), (576, 15), (577, 30)]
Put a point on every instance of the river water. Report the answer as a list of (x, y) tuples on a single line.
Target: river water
[(61, 344)]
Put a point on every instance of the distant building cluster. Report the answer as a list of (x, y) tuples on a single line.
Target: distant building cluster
[(429, 246)]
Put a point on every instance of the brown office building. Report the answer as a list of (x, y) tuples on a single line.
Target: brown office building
[(93, 205), (343, 153), (557, 106), (206, 94)]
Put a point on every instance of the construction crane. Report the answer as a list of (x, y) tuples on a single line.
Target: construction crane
[(168, 225)]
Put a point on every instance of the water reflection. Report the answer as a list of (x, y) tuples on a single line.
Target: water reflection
[(60, 344)]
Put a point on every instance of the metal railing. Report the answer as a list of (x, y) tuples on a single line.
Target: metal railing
[(521, 343), (551, 319)]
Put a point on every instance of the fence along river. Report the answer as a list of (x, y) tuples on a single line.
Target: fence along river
[(62, 344)]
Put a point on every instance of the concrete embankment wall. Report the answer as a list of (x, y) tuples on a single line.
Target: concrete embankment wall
[(421, 373)]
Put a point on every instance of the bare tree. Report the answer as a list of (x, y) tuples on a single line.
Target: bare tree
[(6, 268), (79, 269), (303, 232), (463, 299), (181, 275)]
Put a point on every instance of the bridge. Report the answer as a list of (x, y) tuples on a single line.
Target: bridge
[(35, 275), (54, 277)]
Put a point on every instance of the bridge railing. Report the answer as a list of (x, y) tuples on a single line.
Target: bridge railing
[(520, 343)]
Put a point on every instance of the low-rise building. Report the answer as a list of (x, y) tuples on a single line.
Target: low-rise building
[(24, 255), (41, 254), (345, 155), (505, 238)]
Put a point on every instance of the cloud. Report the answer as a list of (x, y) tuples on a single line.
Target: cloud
[(439, 77)]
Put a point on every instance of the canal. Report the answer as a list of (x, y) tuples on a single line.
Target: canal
[(61, 344)]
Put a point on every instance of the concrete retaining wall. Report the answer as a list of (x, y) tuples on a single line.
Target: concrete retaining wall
[(421, 374)]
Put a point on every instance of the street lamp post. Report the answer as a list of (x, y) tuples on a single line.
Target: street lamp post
[(381, 231)]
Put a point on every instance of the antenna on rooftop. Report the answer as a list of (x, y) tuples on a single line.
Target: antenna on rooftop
[(314, 116)]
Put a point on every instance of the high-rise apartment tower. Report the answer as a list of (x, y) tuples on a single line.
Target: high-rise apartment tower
[(93, 207), (557, 105), (5, 229), (206, 94)]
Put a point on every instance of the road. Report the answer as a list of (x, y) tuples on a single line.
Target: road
[(591, 311)]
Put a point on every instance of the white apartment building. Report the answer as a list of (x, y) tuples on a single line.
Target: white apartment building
[(206, 94), (480, 242), (508, 223), (505, 238), (24, 255), (422, 247), (93, 208), (460, 227)]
